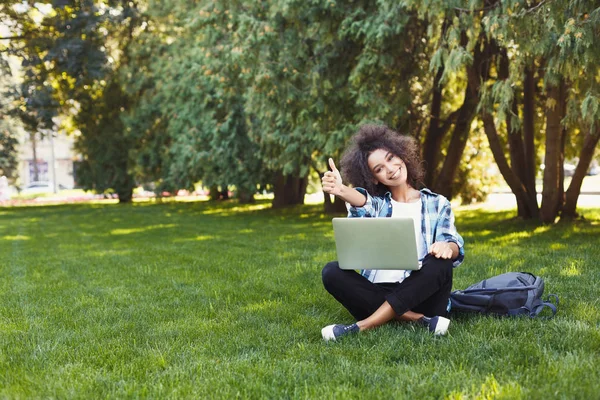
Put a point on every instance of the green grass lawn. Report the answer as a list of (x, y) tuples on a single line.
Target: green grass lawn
[(196, 300)]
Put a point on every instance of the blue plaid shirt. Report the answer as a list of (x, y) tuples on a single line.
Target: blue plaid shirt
[(437, 224)]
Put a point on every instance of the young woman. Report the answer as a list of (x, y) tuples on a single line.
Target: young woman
[(385, 170)]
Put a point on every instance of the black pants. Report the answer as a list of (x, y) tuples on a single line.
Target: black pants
[(425, 291)]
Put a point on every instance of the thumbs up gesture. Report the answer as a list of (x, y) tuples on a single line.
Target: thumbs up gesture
[(332, 180)]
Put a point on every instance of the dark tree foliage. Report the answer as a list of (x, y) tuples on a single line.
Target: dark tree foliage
[(8, 125), (188, 119)]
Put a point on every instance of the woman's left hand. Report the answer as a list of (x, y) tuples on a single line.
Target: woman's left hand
[(446, 250)]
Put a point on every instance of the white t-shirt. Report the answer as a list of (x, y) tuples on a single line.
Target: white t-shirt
[(403, 210)]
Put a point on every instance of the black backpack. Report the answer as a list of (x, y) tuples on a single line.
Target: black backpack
[(509, 294)]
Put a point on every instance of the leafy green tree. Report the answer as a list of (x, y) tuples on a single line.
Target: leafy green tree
[(544, 49), (193, 125), (8, 125), (105, 164), (240, 107), (33, 103), (100, 32), (70, 51), (296, 96), (521, 60), (319, 69), (8, 151)]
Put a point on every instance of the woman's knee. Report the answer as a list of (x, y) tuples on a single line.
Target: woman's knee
[(330, 273), (443, 263), (437, 267)]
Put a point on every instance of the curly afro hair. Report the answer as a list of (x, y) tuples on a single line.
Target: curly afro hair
[(354, 166)]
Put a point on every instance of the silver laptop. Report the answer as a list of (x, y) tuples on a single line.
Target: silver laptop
[(376, 243)]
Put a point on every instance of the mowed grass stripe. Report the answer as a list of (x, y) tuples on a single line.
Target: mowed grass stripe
[(205, 300)]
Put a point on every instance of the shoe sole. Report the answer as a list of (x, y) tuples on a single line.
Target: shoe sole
[(442, 326), (327, 333)]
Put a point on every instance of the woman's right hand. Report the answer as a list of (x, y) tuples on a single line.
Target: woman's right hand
[(332, 180)]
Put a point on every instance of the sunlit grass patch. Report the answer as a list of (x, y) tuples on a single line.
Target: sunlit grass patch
[(15, 237), (490, 389), (570, 270)]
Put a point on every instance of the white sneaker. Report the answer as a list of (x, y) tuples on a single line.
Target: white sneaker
[(332, 332), (436, 325)]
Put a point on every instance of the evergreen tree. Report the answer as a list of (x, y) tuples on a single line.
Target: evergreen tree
[(521, 59), (189, 117), (8, 125)]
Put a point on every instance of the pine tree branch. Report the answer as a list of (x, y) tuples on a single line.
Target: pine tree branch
[(532, 9), (466, 10)]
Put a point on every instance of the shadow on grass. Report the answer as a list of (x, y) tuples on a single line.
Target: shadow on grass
[(234, 224), (141, 230), (258, 235)]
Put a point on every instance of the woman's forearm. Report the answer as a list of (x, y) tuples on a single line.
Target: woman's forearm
[(455, 250), (352, 196)]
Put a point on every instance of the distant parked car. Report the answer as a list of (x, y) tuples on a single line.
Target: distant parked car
[(38, 188), (569, 169)]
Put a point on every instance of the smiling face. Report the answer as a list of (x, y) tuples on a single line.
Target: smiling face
[(387, 168)]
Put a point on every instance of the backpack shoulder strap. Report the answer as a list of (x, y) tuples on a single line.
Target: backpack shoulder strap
[(548, 302), (551, 297)]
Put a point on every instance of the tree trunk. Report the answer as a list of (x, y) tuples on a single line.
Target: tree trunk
[(561, 162), (124, 188), (435, 133), (585, 158), (527, 201), (476, 72), (245, 196), (333, 207), (125, 196), (445, 181), (433, 139), (213, 193), (517, 160), (36, 171), (553, 170), (125, 193), (224, 193), (516, 147), (529, 89), (288, 190)]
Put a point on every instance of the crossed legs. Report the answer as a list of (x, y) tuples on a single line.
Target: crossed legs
[(424, 293)]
